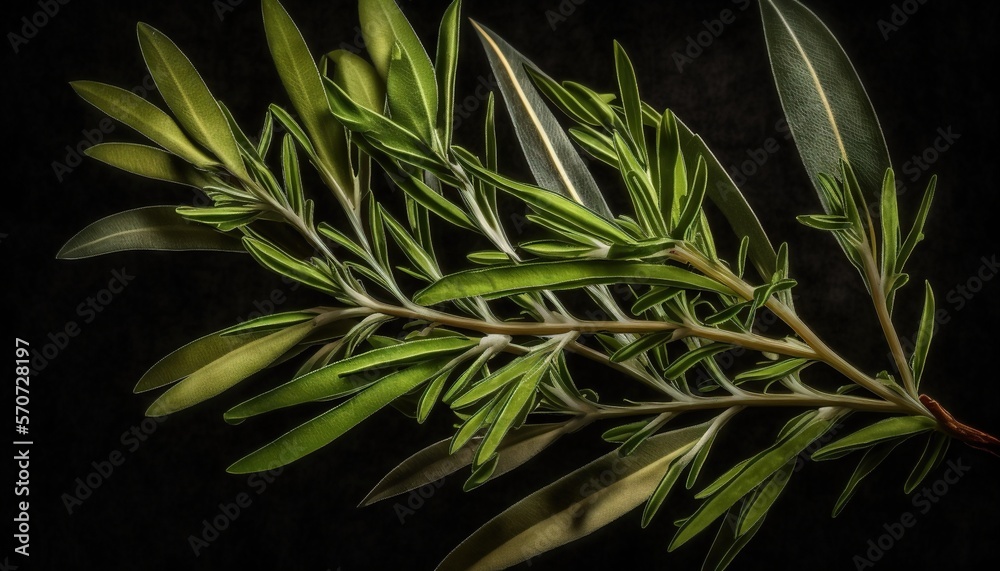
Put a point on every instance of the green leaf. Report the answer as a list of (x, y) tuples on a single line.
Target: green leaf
[(925, 332), (879, 432), (889, 221), (327, 427), (572, 507), (554, 162), (871, 460), (333, 380), (304, 85), (641, 345), (726, 196), (521, 395), (934, 452), (189, 98), (750, 477), (495, 282), (431, 200), (692, 358), (562, 98), (548, 203), (828, 222), (497, 380), (412, 90), (828, 110), (358, 79), (228, 370), (653, 298), (728, 543), (773, 371), (281, 263), (149, 228), (416, 254), (767, 494), (146, 118), (292, 175), (663, 489), (916, 233), (694, 200), (446, 65), (191, 357), (631, 102), (149, 162), (269, 322)]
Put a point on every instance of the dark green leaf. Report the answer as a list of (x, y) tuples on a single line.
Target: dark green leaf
[(828, 110)]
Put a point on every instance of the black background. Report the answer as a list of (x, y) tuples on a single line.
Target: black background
[(934, 72)]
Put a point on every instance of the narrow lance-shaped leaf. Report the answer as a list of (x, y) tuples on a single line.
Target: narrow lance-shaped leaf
[(554, 162), (572, 507), (191, 357), (332, 380), (631, 102), (828, 110), (228, 370), (189, 98), (149, 162), (881, 431), (146, 118), (924, 335), (446, 65), (726, 196), (149, 228), (934, 451), (496, 282), (301, 79), (750, 477), (871, 460), (324, 429)]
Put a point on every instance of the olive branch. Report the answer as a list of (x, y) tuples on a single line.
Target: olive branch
[(493, 342)]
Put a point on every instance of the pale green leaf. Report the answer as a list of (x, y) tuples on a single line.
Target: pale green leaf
[(149, 228), (228, 370), (191, 357), (301, 79), (189, 98), (572, 507), (146, 118), (149, 162)]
